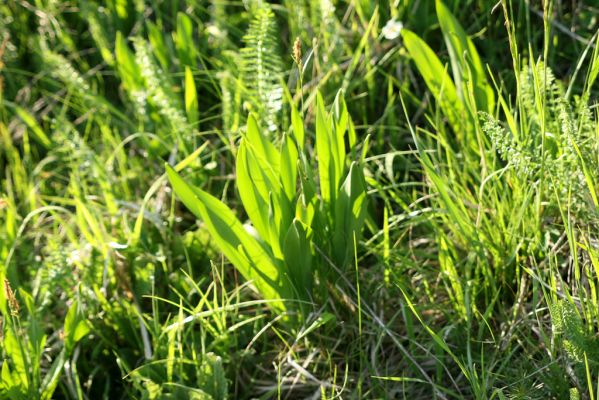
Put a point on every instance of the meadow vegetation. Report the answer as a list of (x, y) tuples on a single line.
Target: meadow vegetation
[(207, 199)]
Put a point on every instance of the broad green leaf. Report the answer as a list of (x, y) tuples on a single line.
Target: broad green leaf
[(243, 250), (252, 191), (191, 98), (465, 61), (306, 205), (350, 211), (263, 149), (436, 77), (7, 381), (276, 228), (352, 137), (75, 327), (134, 238), (280, 214), (260, 178), (126, 65), (36, 339), (261, 187), (184, 40), (15, 351), (324, 151), (298, 257), (15, 385), (264, 179), (288, 167)]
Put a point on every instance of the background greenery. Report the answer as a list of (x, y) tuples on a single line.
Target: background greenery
[(470, 143)]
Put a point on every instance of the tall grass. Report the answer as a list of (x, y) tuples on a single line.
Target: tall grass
[(439, 243)]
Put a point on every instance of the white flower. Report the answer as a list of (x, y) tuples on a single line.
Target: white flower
[(392, 29), (249, 228), (215, 31)]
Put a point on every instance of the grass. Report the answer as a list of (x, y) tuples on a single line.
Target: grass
[(301, 199)]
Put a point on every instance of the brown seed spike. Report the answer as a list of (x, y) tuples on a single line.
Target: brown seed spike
[(297, 51), (13, 304)]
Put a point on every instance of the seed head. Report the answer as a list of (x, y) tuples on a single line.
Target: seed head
[(297, 51), (13, 304)]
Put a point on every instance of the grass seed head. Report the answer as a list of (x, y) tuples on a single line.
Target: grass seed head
[(13, 304), (297, 51)]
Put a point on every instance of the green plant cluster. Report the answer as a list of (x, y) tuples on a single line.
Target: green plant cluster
[(313, 199), (290, 220)]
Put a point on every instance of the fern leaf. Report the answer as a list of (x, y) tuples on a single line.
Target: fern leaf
[(262, 67)]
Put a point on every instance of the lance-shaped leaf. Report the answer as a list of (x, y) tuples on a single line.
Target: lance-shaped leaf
[(298, 126), (298, 256), (436, 77), (126, 65), (465, 61), (340, 118), (350, 211), (263, 149), (327, 148), (245, 252), (252, 190), (184, 43), (289, 158), (191, 98)]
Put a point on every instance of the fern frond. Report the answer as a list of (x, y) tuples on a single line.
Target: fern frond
[(262, 67), (579, 343), (158, 90)]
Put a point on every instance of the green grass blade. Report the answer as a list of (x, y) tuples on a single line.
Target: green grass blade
[(191, 98), (465, 61), (436, 77), (184, 40), (38, 133)]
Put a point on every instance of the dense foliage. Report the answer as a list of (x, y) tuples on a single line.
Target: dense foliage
[(299, 199)]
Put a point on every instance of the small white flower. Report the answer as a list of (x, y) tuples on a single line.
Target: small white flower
[(392, 29), (215, 31), (249, 228)]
